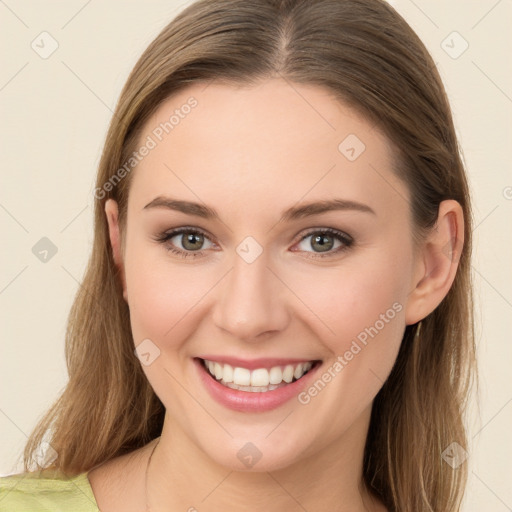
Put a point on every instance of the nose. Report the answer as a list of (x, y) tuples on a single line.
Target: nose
[(252, 301)]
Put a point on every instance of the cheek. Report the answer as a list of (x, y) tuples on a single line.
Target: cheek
[(164, 301), (161, 294), (356, 295), (359, 311)]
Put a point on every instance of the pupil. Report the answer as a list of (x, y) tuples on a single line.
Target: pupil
[(191, 238), (323, 240)]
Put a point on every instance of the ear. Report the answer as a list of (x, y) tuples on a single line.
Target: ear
[(437, 262), (112, 213)]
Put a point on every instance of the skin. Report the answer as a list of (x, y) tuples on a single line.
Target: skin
[(250, 153)]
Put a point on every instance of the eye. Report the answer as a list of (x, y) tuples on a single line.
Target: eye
[(323, 240), (188, 242), (190, 239)]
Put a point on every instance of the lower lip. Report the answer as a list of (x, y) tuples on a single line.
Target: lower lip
[(246, 401)]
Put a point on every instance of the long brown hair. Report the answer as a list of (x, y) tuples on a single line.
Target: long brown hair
[(367, 56)]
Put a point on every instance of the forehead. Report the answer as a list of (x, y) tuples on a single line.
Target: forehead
[(271, 143)]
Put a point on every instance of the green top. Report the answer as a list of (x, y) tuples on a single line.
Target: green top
[(46, 491)]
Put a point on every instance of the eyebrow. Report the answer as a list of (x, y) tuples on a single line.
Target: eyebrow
[(293, 213)]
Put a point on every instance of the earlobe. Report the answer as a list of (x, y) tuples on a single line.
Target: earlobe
[(112, 213), (438, 262)]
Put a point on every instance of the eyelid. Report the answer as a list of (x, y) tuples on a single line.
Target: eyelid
[(171, 233), (331, 231)]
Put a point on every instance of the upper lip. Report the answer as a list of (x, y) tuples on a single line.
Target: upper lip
[(253, 364)]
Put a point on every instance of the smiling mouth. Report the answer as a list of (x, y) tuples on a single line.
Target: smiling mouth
[(258, 380)]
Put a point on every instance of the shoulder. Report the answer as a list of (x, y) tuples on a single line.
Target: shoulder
[(45, 490)]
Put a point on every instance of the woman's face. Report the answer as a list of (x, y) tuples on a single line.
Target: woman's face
[(329, 285)]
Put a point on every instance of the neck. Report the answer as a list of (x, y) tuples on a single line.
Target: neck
[(183, 477)]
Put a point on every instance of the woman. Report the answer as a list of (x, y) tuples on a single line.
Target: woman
[(277, 310)]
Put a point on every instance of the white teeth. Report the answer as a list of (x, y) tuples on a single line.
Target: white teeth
[(288, 373), (218, 371), (242, 376), (227, 373), (261, 379), (276, 375)]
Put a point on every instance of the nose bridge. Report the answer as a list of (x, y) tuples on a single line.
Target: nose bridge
[(251, 298)]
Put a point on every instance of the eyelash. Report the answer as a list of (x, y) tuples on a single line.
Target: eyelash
[(164, 237)]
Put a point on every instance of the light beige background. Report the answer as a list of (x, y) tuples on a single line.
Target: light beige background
[(55, 113)]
